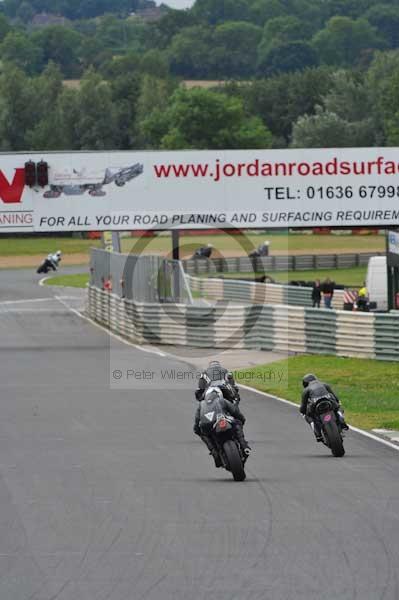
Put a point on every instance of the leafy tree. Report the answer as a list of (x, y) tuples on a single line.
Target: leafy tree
[(19, 49), (219, 11), (286, 57), (200, 118), (25, 12), (348, 107), (4, 27), (343, 40), (390, 106), (281, 30), (125, 90), (172, 23), (44, 131), (385, 18), (151, 105), (235, 48), (326, 129), (154, 63), (281, 99), (60, 45), (190, 52), (262, 11), (18, 107), (96, 126)]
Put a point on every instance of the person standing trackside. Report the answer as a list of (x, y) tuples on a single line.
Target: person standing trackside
[(316, 294), (328, 292)]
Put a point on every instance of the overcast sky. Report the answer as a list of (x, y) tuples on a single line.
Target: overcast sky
[(178, 3)]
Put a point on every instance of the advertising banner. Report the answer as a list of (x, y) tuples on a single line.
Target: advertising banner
[(109, 191)]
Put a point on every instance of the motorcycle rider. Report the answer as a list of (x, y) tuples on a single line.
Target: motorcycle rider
[(219, 376), (213, 400), (54, 259), (316, 389)]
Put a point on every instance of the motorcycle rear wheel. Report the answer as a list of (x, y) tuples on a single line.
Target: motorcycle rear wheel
[(334, 439), (234, 460)]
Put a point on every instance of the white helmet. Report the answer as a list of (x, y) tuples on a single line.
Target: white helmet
[(58, 253)]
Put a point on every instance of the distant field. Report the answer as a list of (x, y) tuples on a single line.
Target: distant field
[(368, 389)]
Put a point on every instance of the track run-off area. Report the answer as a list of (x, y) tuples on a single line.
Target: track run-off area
[(106, 494)]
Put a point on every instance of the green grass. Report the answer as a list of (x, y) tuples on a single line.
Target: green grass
[(78, 281), (239, 245), (242, 244), (368, 389), (31, 246), (350, 277)]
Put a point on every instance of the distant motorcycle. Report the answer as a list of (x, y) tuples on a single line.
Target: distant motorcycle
[(331, 430), (50, 263), (46, 266), (229, 449)]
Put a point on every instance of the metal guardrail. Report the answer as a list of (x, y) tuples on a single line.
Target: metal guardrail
[(142, 278), (306, 262), (251, 292), (279, 328)]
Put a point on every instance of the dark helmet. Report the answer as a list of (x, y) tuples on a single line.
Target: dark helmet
[(308, 378), (214, 364)]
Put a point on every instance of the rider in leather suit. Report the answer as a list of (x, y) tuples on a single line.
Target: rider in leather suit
[(213, 400), (317, 389)]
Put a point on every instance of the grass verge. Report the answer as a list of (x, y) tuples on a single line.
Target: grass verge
[(368, 389), (12, 246), (78, 281)]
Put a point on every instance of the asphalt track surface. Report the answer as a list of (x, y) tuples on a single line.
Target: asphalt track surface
[(105, 494)]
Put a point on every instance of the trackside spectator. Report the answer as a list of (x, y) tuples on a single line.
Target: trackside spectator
[(316, 294), (328, 288)]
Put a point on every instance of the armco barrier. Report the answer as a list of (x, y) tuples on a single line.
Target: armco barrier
[(281, 328), (252, 292), (305, 262)]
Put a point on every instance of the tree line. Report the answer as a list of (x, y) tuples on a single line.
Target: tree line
[(134, 103), (233, 39)]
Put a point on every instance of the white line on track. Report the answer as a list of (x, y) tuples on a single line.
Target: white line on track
[(5, 302), (43, 279), (165, 354), (110, 333)]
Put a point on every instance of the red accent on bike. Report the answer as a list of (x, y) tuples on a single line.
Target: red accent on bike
[(327, 418), (222, 423)]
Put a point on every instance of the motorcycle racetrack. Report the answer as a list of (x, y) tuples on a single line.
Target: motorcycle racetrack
[(106, 494)]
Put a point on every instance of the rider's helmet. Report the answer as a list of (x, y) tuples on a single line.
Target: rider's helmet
[(214, 364), (212, 394), (307, 379), (58, 253)]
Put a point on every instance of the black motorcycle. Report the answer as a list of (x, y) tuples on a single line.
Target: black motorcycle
[(229, 449), (331, 430), (46, 266)]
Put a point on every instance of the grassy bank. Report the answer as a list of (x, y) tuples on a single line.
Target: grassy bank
[(79, 281), (368, 389)]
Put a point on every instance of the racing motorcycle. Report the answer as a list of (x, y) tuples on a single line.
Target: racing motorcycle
[(331, 430), (231, 455), (46, 266)]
